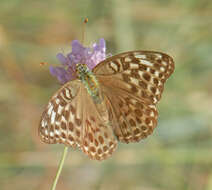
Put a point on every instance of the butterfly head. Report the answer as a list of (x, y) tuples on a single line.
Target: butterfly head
[(81, 70)]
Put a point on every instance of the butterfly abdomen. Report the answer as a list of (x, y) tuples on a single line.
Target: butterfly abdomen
[(90, 82)]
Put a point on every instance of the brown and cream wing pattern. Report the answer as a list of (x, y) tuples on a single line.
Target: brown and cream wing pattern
[(133, 83)]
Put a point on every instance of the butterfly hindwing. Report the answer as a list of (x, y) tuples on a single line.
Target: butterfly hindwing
[(132, 118), (98, 140)]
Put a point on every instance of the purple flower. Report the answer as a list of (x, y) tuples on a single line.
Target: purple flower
[(91, 56)]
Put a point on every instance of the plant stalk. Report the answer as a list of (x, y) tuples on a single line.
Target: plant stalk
[(60, 167)]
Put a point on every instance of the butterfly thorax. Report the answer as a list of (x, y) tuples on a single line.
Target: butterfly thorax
[(90, 82)]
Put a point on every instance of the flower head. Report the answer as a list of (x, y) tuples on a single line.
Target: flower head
[(90, 56)]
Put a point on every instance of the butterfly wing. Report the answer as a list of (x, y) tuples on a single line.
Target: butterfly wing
[(62, 118), (142, 73), (132, 119), (132, 83), (98, 141), (72, 118)]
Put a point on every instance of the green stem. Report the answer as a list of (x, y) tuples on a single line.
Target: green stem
[(60, 167)]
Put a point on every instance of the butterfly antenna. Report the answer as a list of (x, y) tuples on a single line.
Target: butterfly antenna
[(83, 29)]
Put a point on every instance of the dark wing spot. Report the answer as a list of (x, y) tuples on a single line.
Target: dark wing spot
[(146, 76)]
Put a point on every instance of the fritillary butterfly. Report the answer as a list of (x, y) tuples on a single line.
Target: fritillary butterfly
[(116, 101)]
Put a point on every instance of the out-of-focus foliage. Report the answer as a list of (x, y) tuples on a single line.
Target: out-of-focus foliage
[(177, 156)]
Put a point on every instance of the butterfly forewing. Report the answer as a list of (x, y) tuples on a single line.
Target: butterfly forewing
[(142, 73), (133, 82), (61, 119)]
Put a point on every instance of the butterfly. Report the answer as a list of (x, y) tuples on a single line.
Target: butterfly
[(116, 101)]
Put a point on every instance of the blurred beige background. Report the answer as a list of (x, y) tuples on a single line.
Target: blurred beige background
[(176, 157)]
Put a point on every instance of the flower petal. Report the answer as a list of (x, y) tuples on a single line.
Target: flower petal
[(62, 75), (77, 48), (62, 58), (80, 54)]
